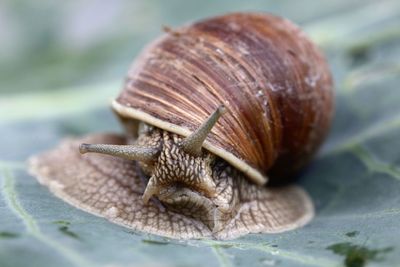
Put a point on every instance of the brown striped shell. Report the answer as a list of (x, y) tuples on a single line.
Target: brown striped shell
[(273, 80)]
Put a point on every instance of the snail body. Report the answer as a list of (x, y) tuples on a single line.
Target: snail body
[(212, 111)]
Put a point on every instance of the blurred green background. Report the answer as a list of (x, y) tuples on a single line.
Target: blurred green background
[(48, 45), (62, 61)]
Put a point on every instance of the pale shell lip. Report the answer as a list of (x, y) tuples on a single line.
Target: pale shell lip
[(253, 174)]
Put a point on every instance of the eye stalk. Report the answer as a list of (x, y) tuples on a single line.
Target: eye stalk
[(130, 152), (193, 143)]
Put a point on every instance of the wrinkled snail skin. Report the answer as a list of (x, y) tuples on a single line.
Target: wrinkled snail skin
[(112, 187), (212, 111)]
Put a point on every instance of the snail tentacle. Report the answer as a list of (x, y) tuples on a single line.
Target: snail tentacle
[(131, 152), (193, 143), (151, 190)]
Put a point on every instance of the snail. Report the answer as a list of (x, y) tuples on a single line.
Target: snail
[(211, 111)]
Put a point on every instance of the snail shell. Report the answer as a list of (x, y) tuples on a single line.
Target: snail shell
[(272, 79), (277, 90)]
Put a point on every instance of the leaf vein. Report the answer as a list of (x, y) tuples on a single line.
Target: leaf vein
[(11, 198), (373, 165)]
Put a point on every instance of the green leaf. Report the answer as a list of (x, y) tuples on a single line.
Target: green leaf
[(354, 181)]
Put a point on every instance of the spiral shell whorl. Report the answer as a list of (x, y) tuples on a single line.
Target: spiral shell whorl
[(274, 82)]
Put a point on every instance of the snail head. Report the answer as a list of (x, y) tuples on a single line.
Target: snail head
[(179, 171)]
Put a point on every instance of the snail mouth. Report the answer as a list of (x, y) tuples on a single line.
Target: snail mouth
[(207, 210)]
